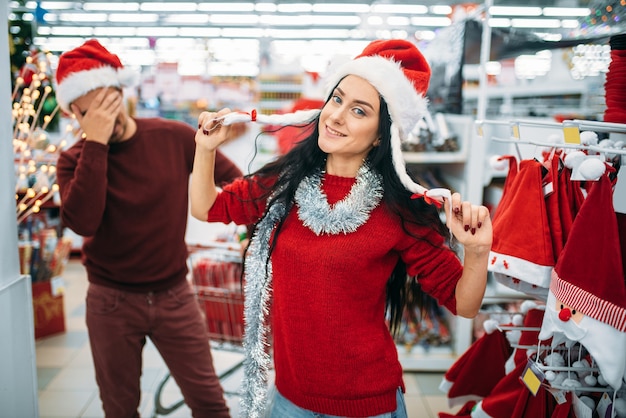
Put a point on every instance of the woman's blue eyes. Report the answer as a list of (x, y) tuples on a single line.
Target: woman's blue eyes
[(356, 110)]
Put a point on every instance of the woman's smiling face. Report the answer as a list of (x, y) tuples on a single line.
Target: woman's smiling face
[(348, 124)]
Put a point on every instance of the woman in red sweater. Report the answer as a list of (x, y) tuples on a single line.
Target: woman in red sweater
[(339, 224)]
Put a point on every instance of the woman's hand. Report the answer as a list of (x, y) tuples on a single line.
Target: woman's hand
[(470, 224), (211, 133)]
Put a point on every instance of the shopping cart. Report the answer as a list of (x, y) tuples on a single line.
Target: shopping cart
[(216, 277)]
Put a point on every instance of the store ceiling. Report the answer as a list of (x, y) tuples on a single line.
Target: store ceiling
[(240, 33)]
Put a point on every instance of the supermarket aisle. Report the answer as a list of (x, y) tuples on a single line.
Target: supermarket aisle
[(67, 387)]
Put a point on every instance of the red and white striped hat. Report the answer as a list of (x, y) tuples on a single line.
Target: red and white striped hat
[(589, 273)]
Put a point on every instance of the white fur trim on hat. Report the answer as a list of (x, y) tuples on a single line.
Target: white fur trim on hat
[(406, 105), (80, 83)]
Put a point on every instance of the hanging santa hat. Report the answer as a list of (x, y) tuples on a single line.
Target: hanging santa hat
[(587, 298), (521, 255), (460, 382), (86, 68), (400, 73)]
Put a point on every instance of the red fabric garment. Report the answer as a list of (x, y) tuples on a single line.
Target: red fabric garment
[(333, 353), (129, 200), (471, 377)]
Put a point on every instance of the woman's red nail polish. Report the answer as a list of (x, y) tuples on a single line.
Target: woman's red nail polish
[(466, 228), (204, 131), (199, 126), (473, 231), (457, 210), (480, 224)]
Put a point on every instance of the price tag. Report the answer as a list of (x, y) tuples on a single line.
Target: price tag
[(571, 134), (515, 130), (532, 377)]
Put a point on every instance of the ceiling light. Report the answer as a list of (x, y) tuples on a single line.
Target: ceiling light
[(265, 7), (341, 8), (374, 20), (441, 10), (114, 31), (570, 23), (499, 22), (111, 7), (295, 7), (399, 8), (514, 11), (243, 32), (71, 31), (169, 7), (186, 19), (566, 11), (82, 17), (398, 21), (309, 33), (54, 5), (234, 19), (321, 20), (133, 17), (225, 7), (536, 23)]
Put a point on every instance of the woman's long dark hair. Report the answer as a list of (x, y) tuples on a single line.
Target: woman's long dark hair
[(306, 157)]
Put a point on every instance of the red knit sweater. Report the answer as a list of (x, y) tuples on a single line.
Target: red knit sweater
[(333, 353), (129, 200)]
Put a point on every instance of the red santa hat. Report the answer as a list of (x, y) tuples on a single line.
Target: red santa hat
[(400, 74), (521, 256), (460, 382), (86, 68), (589, 273)]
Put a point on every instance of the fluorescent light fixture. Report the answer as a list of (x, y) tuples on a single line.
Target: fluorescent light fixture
[(425, 35), (234, 19), (200, 32), (322, 20), (285, 20), (83, 17), (514, 11), (168, 7), (499, 22), (440, 10), (566, 11), (158, 31), (71, 31), (186, 19), (570, 23), (54, 5), (399, 34), (431, 21), (265, 7), (57, 44), (133, 17), (225, 7), (295, 7), (110, 7), (341, 8), (308, 33), (217, 69), (398, 21), (536, 23), (399, 8), (493, 68), (243, 32), (114, 31)]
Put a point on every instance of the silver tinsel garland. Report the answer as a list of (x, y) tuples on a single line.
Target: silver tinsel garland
[(344, 216), (315, 212)]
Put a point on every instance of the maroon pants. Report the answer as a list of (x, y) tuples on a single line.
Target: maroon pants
[(118, 324)]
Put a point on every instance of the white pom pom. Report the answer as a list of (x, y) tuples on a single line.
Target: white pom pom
[(574, 158), (498, 163), (590, 380), (518, 320), (601, 381), (550, 375), (560, 378), (571, 383), (527, 305), (588, 138), (581, 367), (490, 325), (619, 406), (554, 360), (592, 169), (513, 336)]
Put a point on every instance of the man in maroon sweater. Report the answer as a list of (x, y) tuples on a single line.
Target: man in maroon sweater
[(124, 188)]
